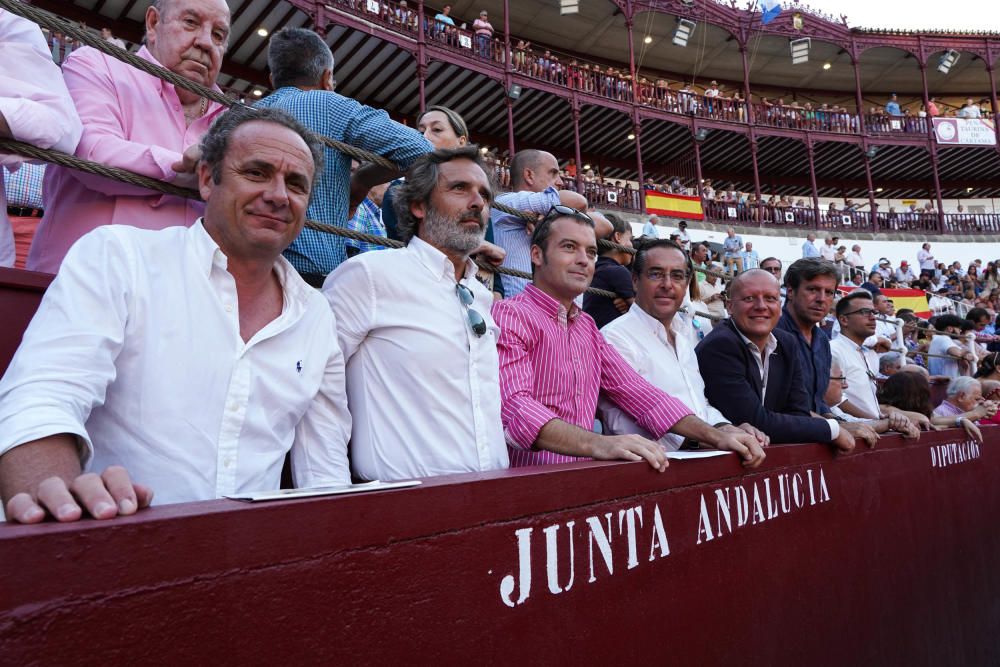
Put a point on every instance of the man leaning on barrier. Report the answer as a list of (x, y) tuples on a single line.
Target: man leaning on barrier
[(135, 121), (188, 359), (653, 342), (752, 372), (415, 327), (554, 363)]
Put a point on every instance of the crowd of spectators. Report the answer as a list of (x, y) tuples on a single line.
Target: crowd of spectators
[(711, 99), (184, 350)]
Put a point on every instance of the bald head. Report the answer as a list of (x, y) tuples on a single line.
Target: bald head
[(751, 275), (533, 170)]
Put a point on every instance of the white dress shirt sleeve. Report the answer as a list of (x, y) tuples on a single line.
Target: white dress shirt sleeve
[(351, 294), (66, 360), (319, 452), (33, 97)]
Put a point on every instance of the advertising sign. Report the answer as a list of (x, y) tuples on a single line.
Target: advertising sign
[(965, 131)]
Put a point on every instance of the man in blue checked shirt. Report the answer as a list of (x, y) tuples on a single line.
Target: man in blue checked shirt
[(536, 180), (302, 73), (368, 220)]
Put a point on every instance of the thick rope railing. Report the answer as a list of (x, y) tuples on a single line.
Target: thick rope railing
[(125, 176)]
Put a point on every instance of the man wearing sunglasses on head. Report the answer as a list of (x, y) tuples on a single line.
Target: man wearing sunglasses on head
[(554, 363), (415, 328)]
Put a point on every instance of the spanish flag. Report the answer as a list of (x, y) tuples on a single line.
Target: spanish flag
[(674, 206), (914, 299)]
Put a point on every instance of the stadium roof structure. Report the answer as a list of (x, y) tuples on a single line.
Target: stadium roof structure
[(381, 64)]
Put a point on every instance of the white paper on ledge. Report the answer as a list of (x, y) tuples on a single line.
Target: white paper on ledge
[(307, 492), (697, 454)]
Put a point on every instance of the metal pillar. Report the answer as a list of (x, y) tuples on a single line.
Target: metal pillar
[(872, 207), (937, 186), (631, 52), (811, 154), (510, 123), (575, 106), (421, 55), (858, 100), (756, 177), (636, 129)]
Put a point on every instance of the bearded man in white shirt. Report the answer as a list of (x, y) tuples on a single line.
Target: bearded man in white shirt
[(190, 359), (652, 341), (415, 327)]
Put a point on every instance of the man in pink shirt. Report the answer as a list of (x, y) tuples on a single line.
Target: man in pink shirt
[(554, 363), (34, 105), (137, 122)]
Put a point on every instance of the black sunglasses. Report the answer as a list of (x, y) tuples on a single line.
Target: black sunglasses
[(559, 211), (476, 320)]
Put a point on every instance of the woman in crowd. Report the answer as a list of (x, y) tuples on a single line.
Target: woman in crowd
[(911, 391), (612, 275), (444, 129)]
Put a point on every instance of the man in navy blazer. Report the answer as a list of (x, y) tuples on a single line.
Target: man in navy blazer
[(752, 371)]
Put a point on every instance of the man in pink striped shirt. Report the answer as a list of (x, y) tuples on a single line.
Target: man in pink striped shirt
[(554, 363)]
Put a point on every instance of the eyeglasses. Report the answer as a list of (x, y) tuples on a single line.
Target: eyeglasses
[(559, 211), (676, 277), (476, 321), (864, 312)]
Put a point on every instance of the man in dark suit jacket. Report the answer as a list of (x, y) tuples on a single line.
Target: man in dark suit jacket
[(733, 359)]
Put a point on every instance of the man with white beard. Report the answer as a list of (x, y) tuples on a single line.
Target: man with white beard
[(415, 328)]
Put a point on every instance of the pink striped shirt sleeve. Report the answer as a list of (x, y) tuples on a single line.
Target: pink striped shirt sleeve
[(651, 407), (554, 369), (522, 415)]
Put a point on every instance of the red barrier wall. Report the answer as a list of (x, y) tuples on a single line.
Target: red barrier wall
[(882, 557), (20, 294)]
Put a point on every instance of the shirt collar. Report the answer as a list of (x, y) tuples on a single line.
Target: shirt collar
[(210, 256), (436, 261), (549, 306), (769, 347), (653, 325)]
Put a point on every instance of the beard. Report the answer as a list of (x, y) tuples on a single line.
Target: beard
[(448, 234)]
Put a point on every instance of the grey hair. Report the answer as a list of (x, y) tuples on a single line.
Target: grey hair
[(890, 359), (420, 182), (297, 57), (961, 384), (526, 159), (215, 143)]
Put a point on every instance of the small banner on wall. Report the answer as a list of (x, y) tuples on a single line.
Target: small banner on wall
[(914, 299), (965, 131), (674, 206)]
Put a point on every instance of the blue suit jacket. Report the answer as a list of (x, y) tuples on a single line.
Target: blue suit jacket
[(733, 385)]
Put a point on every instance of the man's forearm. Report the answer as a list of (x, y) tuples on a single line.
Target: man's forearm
[(27, 465), (694, 428), (564, 438), (5, 132), (855, 411)]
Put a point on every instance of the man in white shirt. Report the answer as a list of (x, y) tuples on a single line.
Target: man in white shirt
[(713, 292), (904, 274), (925, 260), (656, 345), (190, 359), (829, 249), (418, 339), (854, 257), (856, 315), (35, 106), (683, 237), (947, 356)]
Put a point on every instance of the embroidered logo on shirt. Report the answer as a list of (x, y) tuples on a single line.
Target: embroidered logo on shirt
[(298, 365)]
